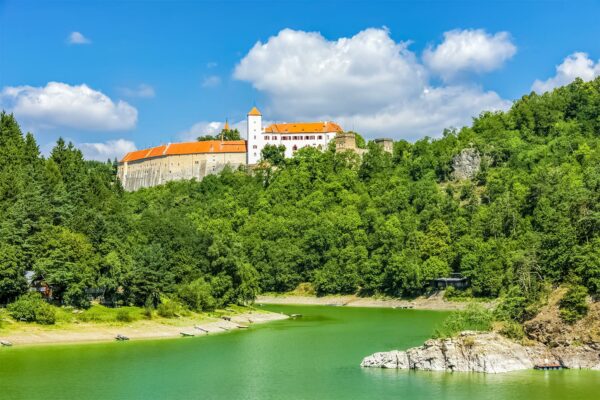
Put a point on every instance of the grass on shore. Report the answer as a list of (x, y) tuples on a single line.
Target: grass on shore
[(102, 315)]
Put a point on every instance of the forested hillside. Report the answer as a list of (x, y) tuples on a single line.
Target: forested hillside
[(386, 224)]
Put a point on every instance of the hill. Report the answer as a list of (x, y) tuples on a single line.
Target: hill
[(385, 224)]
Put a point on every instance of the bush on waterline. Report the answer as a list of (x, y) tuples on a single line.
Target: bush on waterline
[(30, 307), (474, 318)]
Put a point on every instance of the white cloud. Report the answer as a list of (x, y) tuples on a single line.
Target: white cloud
[(78, 38), (576, 65), (108, 150), (143, 90), (201, 129), (211, 81), (59, 105), (212, 128), (427, 114), (470, 50), (368, 82)]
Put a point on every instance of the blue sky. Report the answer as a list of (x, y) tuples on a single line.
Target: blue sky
[(161, 71)]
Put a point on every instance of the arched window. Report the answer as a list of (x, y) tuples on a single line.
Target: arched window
[(295, 148)]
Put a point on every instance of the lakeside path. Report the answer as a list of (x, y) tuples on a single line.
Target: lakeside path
[(32, 334), (435, 302)]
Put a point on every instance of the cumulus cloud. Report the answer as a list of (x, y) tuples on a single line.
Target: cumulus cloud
[(201, 129), (367, 82), (576, 65), (78, 38), (470, 50), (211, 81), (212, 128), (110, 149), (59, 105), (143, 90), (427, 114)]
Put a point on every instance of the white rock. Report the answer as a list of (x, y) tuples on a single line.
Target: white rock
[(481, 352)]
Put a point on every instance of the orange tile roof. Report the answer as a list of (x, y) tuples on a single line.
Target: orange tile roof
[(254, 111), (304, 127), (209, 146)]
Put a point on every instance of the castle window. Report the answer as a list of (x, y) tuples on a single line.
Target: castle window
[(266, 138), (254, 147), (295, 148), (307, 137), (320, 137), (285, 137)]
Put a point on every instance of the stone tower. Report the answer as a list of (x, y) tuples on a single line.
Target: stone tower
[(386, 144), (345, 141)]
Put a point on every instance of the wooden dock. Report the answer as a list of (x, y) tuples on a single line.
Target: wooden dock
[(547, 367)]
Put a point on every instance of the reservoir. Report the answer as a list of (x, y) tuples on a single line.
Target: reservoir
[(316, 356)]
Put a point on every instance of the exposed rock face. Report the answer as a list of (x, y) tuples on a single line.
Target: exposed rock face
[(483, 352), (579, 357), (466, 164), (548, 328)]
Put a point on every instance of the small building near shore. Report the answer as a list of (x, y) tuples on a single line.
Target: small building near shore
[(37, 284), (456, 280)]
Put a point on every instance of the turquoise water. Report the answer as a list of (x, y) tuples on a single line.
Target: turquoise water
[(313, 357)]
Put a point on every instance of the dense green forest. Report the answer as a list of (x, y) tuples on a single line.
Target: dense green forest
[(383, 224)]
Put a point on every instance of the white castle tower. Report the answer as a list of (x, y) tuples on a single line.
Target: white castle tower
[(255, 139)]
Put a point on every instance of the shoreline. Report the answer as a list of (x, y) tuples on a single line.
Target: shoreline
[(432, 303), (33, 335)]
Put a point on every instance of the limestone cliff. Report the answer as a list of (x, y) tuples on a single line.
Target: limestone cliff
[(483, 352), (466, 164)]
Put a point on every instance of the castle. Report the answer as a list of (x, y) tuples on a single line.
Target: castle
[(176, 161), (293, 136)]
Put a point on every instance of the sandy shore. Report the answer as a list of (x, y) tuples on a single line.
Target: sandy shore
[(31, 334), (420, 303)]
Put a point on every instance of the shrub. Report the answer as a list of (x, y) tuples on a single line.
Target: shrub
[(197, 295), (512, 330), (305, 289), (169, 308), (515, 306), (451, 293), (473, 318), (573, 306), (31, 308), (147, 313), (45, 314), (124, 316)]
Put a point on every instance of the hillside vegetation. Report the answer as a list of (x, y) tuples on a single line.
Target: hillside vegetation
[(386, 224)]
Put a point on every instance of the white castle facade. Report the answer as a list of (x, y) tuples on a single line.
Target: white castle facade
[(293, 136)]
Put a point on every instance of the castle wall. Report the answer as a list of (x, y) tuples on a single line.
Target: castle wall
[(155, 171)]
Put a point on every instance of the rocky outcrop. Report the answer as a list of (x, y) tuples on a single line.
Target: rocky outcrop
[(483, 352), (466, 164), (548, 328)]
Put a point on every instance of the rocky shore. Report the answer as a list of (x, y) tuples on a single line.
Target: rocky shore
[(485, 352), (434, 302)]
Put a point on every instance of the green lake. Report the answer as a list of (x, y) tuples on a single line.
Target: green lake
[(313, 357)]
